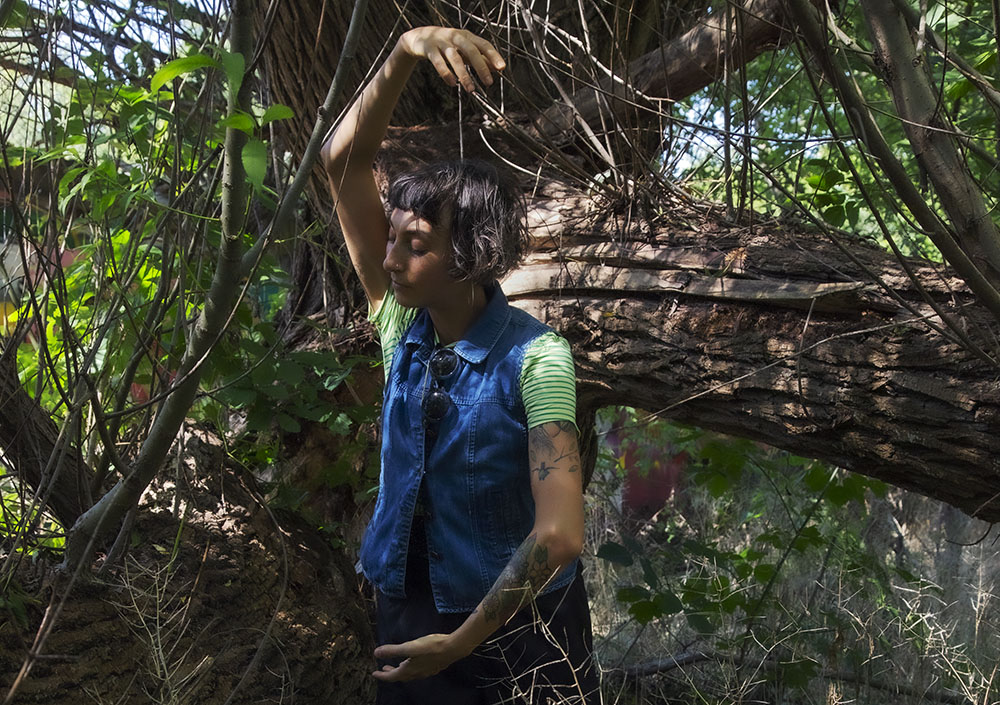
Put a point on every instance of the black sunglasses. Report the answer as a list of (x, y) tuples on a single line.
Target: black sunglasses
[(436, 402)]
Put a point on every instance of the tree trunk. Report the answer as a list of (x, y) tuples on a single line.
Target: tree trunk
[(228, 599), (737, 329), (30, 440)]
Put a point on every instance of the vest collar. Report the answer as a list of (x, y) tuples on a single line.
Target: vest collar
[(481, 336)]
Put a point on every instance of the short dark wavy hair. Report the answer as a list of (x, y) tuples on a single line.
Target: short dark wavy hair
[(486, 211)]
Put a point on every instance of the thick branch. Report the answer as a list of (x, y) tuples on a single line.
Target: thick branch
[(712, 327), (687, 64), (868, 131)]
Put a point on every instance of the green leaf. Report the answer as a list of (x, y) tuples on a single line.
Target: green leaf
[(239, 121), (340, 425), (718, 484), (239, 396), (314, 358), (667, 603), (797, 674), (615, 553), (278, 392), (764, 572), (835, 215), (172, 69), (700, 623), (731, 602), (290, 372), (631, 593), (255, 162), (289, 423), (648, 573), (644, 611), (816, 478), (16, 15), (234, 65), (276, 112)]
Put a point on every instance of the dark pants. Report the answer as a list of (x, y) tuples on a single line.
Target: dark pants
[(544, 653)]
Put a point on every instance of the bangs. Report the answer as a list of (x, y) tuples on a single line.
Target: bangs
[(481, 208), (426, 194)]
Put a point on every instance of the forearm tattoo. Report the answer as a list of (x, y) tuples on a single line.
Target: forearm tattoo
[(526, 574), (550, 444)]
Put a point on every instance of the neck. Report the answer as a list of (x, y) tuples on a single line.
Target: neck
[(452, 320)]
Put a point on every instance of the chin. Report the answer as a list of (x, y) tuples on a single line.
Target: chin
[(404, 300)]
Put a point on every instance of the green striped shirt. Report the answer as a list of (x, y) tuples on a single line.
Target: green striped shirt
[(548, 378)]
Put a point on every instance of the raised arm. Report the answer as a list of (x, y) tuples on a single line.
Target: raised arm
[(349, 152), (555, 540)]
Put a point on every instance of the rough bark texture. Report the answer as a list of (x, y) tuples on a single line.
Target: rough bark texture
[(769, 332), (772, 331), (29, 439), (191, 626)]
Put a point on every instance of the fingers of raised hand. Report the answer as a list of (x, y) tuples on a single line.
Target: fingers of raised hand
[(457, 59), (478, 55), (441, 66), (456, 54)]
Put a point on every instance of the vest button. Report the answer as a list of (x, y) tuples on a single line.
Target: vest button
[(435, 555)]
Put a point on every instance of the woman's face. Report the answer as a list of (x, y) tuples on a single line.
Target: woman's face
[(417, 260)]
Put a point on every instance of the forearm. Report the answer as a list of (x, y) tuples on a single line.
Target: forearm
[(533, 565), (358, 136), (455, 54)]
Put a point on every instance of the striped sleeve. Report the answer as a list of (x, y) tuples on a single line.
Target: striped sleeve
[(390, 320), (548, 381)]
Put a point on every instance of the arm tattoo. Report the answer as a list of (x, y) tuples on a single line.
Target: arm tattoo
[(543, 453), (524, 577)]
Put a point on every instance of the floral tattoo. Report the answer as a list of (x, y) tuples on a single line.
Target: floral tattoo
[(524, 577)]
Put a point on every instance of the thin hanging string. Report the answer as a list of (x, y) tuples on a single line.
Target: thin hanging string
[(461, 136), (508, 52)]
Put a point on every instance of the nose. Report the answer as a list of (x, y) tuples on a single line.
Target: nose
[(391, 262)]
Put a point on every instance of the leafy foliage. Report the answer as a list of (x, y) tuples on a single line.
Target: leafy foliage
[(768, 562), (790, 147), (117, 247)]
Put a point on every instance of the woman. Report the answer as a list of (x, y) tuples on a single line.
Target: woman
[(473, 546)]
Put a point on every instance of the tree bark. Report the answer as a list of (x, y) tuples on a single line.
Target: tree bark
[(30, 442), (227, 599), (766, 331), (770, 332), (674, 70)]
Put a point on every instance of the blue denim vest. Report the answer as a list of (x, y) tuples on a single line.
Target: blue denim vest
[(477, 494)]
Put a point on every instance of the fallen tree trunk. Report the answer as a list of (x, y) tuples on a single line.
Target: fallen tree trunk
[(771, 332)]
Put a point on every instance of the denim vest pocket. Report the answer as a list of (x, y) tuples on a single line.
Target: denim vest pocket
[(499, 524)]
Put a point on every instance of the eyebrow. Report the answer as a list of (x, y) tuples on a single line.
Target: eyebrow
[(426, 234)]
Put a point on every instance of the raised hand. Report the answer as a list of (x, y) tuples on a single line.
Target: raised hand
[(453, 52)]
